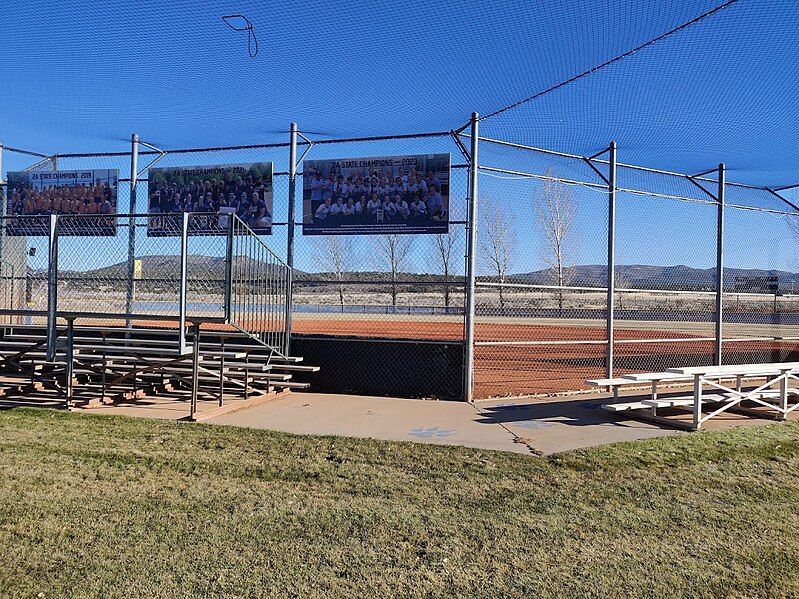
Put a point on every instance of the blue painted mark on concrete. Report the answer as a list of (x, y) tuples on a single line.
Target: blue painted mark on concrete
[(431, 432), (534, 424)]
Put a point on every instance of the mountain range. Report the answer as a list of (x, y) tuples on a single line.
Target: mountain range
[(640, 276)]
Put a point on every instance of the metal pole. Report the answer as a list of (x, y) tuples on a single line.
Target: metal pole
[(221, 371), (229, 270), (3, 213), (471, 263), (134, 170), (195, 370), (611, 298), (52, 287), (720, 263), (290, 237), (70, 359), (184, 243)]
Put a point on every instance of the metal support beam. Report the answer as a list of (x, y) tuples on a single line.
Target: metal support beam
[(719, 263), (52, 287), (195, 369), (471, 262), (611, 296), (457, 139), (697, 407), (39, 165), (290, 238), (3, 214), (222, 372), (184, 246), (229, 271), (782, 198), (70, 360), (134, 172)]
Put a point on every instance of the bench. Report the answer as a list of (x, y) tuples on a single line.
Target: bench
[(730, 397), (613, 384)]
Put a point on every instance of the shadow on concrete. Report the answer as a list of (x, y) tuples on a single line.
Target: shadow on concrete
[(545, 414)]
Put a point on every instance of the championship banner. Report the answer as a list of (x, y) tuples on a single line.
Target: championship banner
[(211, 193), (389, 194), (33, 196)]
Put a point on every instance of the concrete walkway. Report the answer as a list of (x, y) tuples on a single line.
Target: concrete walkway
[(522, 426), (531, 426)]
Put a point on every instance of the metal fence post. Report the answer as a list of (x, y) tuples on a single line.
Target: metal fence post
[(3, 213), (184, 245), (290, 237), (611, 298), (720, 263), (134, 170), (52, 287), (229, 271), (471, 263), (195, 370), (70, 369)]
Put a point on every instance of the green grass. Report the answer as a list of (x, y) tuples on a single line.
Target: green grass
[(95, 506)]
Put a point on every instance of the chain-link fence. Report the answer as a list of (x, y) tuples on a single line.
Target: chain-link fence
[(87, 274), (584, 268)]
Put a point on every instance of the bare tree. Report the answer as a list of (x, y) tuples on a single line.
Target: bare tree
[(496, 240), (792, 221), (441, 254), (555, 210), (620, 282), (393, 251), (337, 251)]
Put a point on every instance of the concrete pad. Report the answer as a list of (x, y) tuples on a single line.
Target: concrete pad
[(438, 422), (564, 423), (521, 425)]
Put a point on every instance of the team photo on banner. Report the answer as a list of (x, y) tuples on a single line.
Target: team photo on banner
[(37, 194), (212, 193), (389, 194)]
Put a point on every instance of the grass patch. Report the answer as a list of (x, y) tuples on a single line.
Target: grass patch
[(115, 506)]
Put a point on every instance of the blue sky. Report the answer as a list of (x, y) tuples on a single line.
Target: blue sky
[(81, 76)]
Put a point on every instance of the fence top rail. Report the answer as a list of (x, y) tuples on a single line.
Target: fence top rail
[(422, 135), (23, 151), (266, 146), (638, 167)]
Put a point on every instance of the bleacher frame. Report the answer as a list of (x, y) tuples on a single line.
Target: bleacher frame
[(231, 361)]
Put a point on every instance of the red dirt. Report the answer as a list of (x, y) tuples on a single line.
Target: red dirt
[(531, 369)]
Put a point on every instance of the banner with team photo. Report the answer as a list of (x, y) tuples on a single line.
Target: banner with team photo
[(211, 193), (389, 194), (33, 196)]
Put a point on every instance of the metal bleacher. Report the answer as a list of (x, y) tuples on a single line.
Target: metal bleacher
[(121, 365), (206, 363)]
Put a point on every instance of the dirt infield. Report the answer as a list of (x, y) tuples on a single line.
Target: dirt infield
[(541, 368), (503, 370)]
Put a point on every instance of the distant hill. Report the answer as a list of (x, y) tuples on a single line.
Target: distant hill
[(660, 277), (640, 276)]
